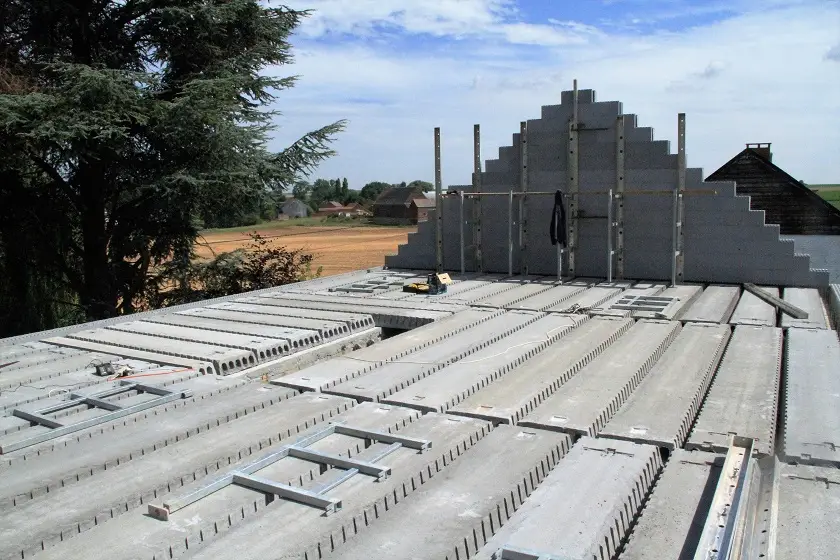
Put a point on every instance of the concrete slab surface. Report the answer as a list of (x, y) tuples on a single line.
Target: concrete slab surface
[(586, 402), (744, 395), (590, 298), (455, 382), (511, 397), (752, 310), (664, 406), (399, 374), (807, 498), (352, 320), (606, 308), (672, 520), (585, 506), (812, 397), (685, 297), (715, 305), (296, 338), (516, 294), (549, 298), (809, 300)]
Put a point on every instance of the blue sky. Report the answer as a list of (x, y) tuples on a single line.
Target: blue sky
[(742, 70)]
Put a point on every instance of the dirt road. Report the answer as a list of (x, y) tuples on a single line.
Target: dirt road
[(336, 249)]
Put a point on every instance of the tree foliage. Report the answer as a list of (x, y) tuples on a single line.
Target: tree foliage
[(123, 124)]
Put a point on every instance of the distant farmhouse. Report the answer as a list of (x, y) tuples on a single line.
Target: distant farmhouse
[(337, 209), (402, 206), (294, 208)]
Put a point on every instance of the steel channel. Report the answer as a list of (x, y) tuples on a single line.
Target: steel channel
[(510, 233), (681, 181), (285, 491), (523, 202), (609, 237), (461, 229), (674, 235), (619, 189), (63, 430), (411, 443), (479, 265), (363, 467), (574, 185), (438, 206)]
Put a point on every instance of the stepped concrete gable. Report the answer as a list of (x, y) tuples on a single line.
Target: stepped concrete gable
[(725, 241)]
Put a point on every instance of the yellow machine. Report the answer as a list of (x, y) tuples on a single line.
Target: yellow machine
[(435, 284)]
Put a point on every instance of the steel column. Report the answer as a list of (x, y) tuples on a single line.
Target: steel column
[(476, 205), (438, 206), (681, 179), (510, 233), (609, 236), (523, 202), (573, 182), (461, 228), (619, 196)]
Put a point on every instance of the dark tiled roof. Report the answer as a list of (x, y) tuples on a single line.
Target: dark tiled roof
[(785, 201), (396, 196)]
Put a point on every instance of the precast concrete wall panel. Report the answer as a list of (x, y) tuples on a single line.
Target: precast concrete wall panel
[(667, 529), (812, 397), (592, 297), (664, 406), (261, 348), (744, 395), (715, 305), (226, 360), (75, 509), (295, 338), (306, 532), (452, 384), (809, 300), (585, 507), (32, 472), (490, 481), (585, 403), (808, 500), (324, 375), (508, 399), (549, 298), (399, 374), (754, 311), (204, 367)]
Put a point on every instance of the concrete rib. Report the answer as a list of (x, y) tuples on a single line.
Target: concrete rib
[(672, 520), (75, 362), (74, 509), (324, 375), (744, 396), (810, 300), (549, 298), (205, 367), (585, 403), (715, 305), (328, 329), (812, 399), (35, 358), (225, 360), (352, 320), (452, 384), (455, 511), (416, 303), (398, 317), (261, 348), (518, 293), (663, 408), (592, 297), (483, 292), (365, 503), (510, 398), (685, 297), (399, 374), (296, 338), (65, 461), (808, 526), (585, 507), (754, 311)]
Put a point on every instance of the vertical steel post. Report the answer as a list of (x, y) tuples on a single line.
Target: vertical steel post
[(523, 202), (461, 227), (559, 263), (510, 233), (610, 236), (476, 205), (573, 164), (438, 206), (674, 235), (619, 197), (681, 179)]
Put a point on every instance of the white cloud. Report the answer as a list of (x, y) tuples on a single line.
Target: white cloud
[(763, 76)]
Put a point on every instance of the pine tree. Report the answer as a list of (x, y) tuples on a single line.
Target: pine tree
[(125, 120)]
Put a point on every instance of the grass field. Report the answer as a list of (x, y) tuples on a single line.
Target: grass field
[(831, 193), (337, 247)]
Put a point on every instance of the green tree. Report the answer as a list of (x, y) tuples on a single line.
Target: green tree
[(302, 190), (122, 122), (371, 191), (322, 192)]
